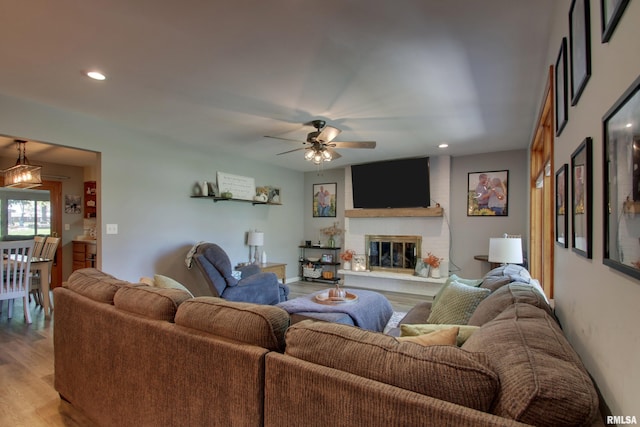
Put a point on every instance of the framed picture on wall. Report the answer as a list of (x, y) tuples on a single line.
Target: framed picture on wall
[(562, 199), (610, 13), (561, 92), (487, 193), (621, 167), (579, 47), (582, 200), (324, 199)]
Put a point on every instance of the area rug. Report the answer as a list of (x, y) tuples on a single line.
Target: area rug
[(393, 321)]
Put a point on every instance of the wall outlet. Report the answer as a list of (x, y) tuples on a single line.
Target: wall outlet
[(67, 227), (112, 228)]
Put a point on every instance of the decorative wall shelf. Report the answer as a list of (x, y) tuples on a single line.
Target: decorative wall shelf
[(226, 199), (394, 212)]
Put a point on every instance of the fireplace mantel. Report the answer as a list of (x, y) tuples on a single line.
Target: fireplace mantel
[(393, 282), (393, 212)]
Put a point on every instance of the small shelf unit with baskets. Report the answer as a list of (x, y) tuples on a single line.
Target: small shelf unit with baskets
[(319, 264)]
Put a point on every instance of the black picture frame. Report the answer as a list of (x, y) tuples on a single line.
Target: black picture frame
[(579, 47), (582, 199), (610, 13), (560, 88), (481, 193), (621, 172), (562, 203), (325, 205)]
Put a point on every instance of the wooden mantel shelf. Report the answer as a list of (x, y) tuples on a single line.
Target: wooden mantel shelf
[(393, 212)]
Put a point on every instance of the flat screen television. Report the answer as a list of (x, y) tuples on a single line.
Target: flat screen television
[(400, 183)]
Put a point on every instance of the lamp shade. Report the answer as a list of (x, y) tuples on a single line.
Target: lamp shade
[(505, 250), (255, 238)]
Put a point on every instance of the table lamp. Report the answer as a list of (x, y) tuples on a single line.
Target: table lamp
[(505, 250), (255, 239)]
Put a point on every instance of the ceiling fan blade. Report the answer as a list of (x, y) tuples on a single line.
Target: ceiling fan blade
[(291, 151), (334, 154), (327, 134), (354, 144), (284, 139)]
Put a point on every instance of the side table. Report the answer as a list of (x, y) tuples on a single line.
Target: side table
[(275, 267)]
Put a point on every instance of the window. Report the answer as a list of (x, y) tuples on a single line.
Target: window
[(24, 213)]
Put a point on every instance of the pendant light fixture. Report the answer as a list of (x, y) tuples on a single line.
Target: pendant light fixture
[(23, 174)]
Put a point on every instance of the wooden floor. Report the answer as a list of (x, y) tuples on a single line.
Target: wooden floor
[(27, 396)]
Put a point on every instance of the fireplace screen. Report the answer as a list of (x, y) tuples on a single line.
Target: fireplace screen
[(395, 253)]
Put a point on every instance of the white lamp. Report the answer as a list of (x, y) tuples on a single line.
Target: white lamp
[(255, 239), (505, 250)]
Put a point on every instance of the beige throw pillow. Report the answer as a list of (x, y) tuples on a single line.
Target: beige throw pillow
[(441, 337), (456, 304), (165, 282), (464, 331)]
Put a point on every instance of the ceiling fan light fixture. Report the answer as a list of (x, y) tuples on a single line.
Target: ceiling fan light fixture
[(309, 154), (23, 174), (326, 156)]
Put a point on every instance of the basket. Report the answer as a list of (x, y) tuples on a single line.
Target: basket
[(312, 273)]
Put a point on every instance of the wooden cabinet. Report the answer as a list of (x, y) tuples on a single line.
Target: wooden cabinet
[(90, 207), (84, 254)]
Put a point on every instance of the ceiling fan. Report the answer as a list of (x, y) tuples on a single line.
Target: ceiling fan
[(320, 143)]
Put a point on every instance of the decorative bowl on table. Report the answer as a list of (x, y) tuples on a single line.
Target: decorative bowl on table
[(313, 258)]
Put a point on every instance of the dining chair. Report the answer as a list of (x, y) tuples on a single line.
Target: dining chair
[(38, 245), (40, 289), (15, 274)]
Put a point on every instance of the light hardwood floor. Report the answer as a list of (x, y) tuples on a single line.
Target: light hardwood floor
[(27, 396)]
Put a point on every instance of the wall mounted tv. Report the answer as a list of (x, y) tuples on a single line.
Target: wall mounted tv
[(400, 183)]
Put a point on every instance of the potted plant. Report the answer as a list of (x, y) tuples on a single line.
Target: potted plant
[(434, 262), (347, 256)]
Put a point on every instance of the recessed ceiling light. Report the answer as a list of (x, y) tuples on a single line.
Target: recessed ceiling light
[(443, 145), (629, 125), (96, 75)]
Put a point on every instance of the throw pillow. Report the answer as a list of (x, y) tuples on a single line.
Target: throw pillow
[(441, 337), (464, 331), (456, 278), (456, 304), (165, 282)]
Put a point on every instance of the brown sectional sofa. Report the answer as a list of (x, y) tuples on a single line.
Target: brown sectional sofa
[(131, 354)]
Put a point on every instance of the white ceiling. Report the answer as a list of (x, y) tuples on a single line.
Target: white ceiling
[(221, 75)]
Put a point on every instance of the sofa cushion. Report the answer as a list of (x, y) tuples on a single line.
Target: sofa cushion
[(502, 298), (261, 325), (151, 302), (457, 304), (464, 331), (441, 371), (504, 275), (445, 336), (456, 278), (94, 284), (542, 379)]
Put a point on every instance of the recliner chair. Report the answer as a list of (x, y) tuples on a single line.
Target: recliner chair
[(254, 286)]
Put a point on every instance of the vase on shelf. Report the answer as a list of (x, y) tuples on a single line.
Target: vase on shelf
[(331, 242), (435, 272), (347, 265)]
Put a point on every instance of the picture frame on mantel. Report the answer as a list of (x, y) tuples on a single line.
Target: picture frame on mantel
[(579, 47), (487, 193), (560, 86), (582, 198), (324, 199), (610, 13), (621, 168), (562, 201)]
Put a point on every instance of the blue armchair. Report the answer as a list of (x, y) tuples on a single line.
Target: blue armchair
[(254, 286)]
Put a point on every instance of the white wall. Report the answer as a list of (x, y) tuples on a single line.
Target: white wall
[(597, 306), (145, 183)]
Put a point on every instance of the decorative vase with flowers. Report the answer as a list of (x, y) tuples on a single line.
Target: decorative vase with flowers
[(332, 232), (347, 256), (434, 262)]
